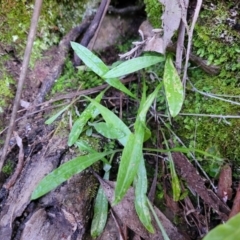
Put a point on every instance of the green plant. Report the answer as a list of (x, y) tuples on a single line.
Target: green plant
[(72, 79), (229, 230), (114, 128), (8, 167), (132, 169), (6, 93), (154, 11)]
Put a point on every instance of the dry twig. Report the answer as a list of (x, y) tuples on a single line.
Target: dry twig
[(190, 35), (27, 54)]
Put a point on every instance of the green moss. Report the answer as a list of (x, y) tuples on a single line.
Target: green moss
[(203, 132), (153, 9), (8, 167), (217, 42), (72, 79), (220, 49), (6, 91), (56, 19)]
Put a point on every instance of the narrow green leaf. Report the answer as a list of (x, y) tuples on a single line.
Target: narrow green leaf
[(144, 95), (140, 200), (132, 152), (90, 59), (131, 157), (133, 65), (230, 230), (98, 66), (100, 211), (83, 146), (147, 104), (175, 181), (82, 121), (164, 234), (116, 83), (173, 88), (64, 172), (79, 125), (54, 117), (111, 119), (147, 133), (108, 130)]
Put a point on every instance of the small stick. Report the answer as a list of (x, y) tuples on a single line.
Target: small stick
[(27, 54), (19, 167), (99, 26), (190, 35), (92, 29)]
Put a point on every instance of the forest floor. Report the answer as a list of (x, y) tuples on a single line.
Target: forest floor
[(68, 209)]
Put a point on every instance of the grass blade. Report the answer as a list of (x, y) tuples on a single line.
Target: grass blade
[(64, 172), (54, 117), (100, 211), (175, 181), (90, 59), (140, 200), (133, 65), (82, 121), (165, 236)]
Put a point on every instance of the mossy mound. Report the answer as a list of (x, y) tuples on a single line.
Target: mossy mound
[(217, 41), (56, 19), (206, 132)]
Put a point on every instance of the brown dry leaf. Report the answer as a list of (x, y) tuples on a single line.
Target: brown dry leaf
[(171, 19), (125, 210), (224, 184), (172, 205), (153, 42), (236, 204), (188, 172)]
